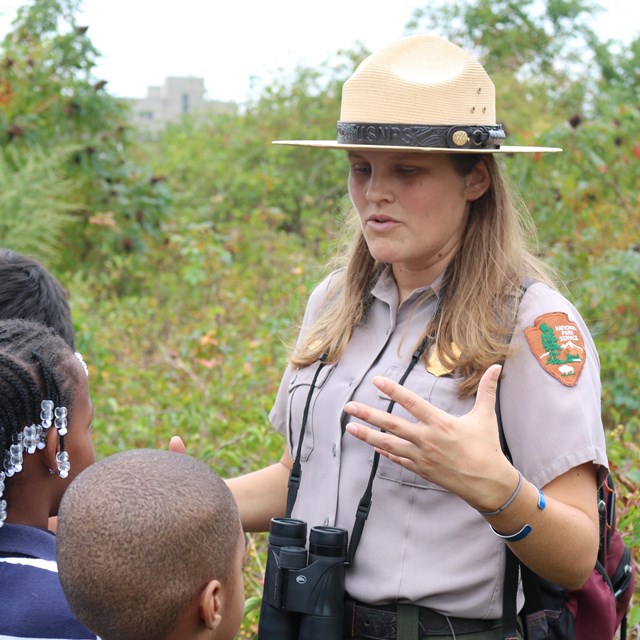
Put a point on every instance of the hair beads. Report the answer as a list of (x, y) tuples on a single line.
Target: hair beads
[(13, 460), (30, 438), (61, 420), (46, 413), (34, 437), (62, 460)]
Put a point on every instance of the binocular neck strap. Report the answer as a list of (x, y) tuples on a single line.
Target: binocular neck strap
[(364, 505), (296, 470)]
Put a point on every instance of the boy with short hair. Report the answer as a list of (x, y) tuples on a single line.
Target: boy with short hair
[(150, 547)]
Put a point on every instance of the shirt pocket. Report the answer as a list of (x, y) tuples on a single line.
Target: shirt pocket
[(440, 391), (301, 386)]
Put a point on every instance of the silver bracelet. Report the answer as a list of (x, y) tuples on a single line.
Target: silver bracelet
[(508, 502)]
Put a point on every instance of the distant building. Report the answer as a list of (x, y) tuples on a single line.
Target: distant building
[(178, 97)]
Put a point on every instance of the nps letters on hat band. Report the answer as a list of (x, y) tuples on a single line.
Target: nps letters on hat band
[(419, 135)]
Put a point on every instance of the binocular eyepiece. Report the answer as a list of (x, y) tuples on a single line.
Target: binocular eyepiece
[(303, 596)]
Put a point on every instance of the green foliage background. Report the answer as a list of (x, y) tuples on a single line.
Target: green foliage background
[(189, 257)]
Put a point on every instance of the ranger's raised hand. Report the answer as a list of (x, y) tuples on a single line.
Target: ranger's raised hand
[(461, 454)]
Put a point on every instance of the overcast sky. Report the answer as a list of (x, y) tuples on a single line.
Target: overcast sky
[(226, 42)]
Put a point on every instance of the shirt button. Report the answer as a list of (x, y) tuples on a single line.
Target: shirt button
[(326, 522), (334, 448)]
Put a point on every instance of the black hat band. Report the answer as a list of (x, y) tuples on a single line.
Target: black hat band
[(427, 136)]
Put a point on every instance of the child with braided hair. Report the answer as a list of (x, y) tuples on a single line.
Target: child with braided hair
[(45, 441), (28, 290)]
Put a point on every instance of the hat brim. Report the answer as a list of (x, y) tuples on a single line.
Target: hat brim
[(332, 144)]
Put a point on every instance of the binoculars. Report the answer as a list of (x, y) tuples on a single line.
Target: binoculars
[(303, 596)]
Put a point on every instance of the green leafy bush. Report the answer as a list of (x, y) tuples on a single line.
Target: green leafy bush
[(50, 102), (36, 200)]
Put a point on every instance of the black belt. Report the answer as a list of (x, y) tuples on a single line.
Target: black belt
[(380, 622)]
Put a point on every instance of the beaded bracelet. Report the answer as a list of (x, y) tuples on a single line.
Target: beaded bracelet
[(508, 502), (527, 528)]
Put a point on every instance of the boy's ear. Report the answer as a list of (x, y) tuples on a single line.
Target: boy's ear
[(211, 604)]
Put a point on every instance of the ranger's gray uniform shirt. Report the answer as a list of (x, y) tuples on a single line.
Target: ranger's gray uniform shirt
[(421, 543)]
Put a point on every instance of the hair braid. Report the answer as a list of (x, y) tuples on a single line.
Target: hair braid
[(35, 364), (49, 387), (20, 393)]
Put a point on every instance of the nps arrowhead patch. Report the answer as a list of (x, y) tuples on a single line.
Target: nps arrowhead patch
[(558, 346)]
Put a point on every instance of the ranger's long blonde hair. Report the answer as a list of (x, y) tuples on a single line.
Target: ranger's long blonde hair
[(481, 286)]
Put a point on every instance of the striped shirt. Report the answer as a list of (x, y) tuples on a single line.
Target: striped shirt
[(32, 603)]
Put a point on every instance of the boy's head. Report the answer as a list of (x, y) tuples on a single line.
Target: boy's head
[(150, 546), (29, 291)]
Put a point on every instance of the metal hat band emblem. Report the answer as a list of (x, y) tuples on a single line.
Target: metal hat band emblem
[(460, 138)]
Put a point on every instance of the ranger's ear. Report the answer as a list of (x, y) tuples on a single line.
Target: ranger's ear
[(477, 181)]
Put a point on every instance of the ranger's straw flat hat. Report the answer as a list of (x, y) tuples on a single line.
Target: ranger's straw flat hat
[(419, 94)]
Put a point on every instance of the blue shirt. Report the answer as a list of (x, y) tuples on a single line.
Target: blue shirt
[(32, 603)]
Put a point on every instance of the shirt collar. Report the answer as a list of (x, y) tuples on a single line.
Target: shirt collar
[(28, 541), (386, 290)]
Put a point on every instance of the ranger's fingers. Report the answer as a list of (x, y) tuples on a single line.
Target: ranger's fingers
[(176, 444), (395, 449), (387, 444), (417, 406), (407, 463), (381, 419), (486, 397)]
